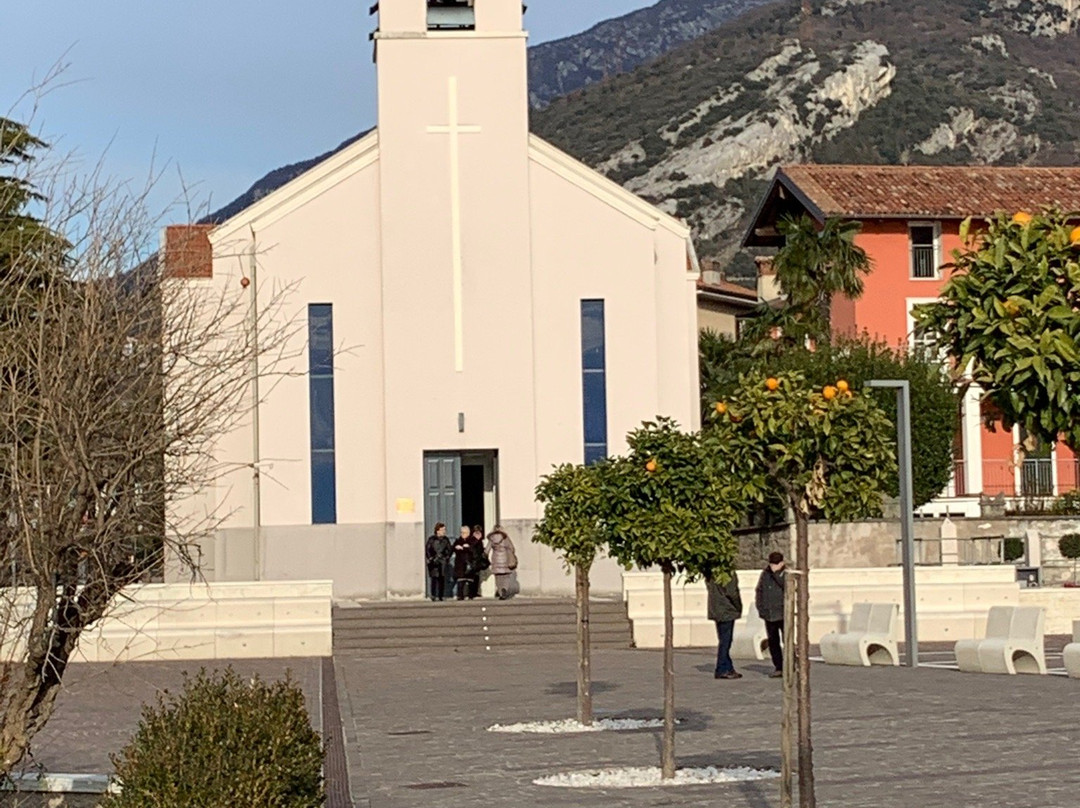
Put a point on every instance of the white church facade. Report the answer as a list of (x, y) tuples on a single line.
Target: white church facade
[(475, 307)]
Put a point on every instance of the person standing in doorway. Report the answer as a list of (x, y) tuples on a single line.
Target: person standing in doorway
[(769, 599), (503, 559), (465, 566), (480, 559), (437, 552), (725, 607)]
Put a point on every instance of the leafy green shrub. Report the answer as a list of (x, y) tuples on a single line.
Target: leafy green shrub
[(224, 742), (1014, 549), (1069, 545)]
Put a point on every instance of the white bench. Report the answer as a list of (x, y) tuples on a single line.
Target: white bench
[(1013, 643), (870, 638), (1072, 653), (750, 640)]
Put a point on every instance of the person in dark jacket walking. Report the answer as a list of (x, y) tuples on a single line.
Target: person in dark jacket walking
[(769, 599), (437, 551), (725, 607)]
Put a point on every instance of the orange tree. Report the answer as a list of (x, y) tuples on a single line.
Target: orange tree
[(828, 451), (574, 524), (673, 505), (1009, 317)]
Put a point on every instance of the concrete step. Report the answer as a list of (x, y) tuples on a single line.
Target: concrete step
[(477, 625), (346, 621), (492, 644)]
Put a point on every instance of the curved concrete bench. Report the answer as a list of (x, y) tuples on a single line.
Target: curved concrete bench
[(1013, 643), (750, 640), (870, 638), (1072, 653)]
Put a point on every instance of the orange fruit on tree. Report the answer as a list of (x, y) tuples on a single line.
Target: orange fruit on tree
[(1021, 218), (772, 384), (651, 466), (843, 386), (1074, 237), (829, 392), (721, 407)]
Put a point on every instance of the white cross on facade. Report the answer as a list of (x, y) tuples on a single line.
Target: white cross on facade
[(455, 129)]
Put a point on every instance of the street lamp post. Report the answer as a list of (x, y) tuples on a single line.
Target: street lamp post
[(907, 510)]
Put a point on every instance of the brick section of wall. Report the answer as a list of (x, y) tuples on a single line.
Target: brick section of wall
[(188, 253)]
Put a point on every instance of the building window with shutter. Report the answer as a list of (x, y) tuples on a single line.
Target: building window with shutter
[(321, 406), (925, 240), (594, 380)]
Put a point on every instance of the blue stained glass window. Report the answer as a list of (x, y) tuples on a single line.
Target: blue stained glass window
[(594, 380), (321, 406)]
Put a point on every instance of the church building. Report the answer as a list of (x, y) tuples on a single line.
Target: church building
[(474, 307)]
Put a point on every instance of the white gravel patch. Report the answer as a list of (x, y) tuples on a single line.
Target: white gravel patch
[(649, 776), (569, 725)]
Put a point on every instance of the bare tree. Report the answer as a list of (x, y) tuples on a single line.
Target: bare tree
[(117, 374)]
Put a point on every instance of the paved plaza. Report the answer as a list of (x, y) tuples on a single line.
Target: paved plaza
[(884, 738), (415, 729)]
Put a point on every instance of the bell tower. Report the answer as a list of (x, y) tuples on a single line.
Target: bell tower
[(454, 189)]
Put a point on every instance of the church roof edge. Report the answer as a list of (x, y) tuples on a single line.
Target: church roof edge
[(592, 181), (302, 189)]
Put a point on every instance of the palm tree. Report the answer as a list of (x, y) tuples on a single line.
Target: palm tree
[(816, 263)]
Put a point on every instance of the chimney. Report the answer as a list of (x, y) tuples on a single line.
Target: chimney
[(187, 252)]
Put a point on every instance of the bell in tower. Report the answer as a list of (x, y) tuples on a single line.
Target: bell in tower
[(451, 15)]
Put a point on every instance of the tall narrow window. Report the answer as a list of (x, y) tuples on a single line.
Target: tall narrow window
[(924, 250), (594, 380), (321, 405)]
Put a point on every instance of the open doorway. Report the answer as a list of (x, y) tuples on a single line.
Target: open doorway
[(460, 488)]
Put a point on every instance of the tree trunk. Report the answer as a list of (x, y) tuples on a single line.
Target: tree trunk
[(667, 753), (584, 672), (787, 720), (802, 660)]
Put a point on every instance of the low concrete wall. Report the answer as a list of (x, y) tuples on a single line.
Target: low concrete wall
[(1062, 607), (375, 562), (199, 621), (952, 601)]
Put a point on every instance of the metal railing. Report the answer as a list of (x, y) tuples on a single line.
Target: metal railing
[(971, 552), (1032, 477), (924, 261)]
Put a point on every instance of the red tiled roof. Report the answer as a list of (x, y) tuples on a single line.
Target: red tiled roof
[(725, 287), (863, 191)]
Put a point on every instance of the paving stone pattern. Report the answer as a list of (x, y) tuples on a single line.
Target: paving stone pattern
[(884, 738)]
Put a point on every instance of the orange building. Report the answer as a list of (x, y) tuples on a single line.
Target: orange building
[(910, 218)]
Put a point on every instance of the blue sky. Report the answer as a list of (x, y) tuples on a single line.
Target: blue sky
[(223, 90)]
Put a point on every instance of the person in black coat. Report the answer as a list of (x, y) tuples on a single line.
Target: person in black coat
[(769, 599), (437, 552), (466, 566), (725, 607)]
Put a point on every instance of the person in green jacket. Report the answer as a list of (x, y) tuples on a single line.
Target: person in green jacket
[(725, 607)]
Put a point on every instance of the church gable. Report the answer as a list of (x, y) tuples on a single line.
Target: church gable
[(314, 182), (604, 189)]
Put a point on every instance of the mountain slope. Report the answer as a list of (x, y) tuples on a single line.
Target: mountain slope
[(923, 81), (619, 45)]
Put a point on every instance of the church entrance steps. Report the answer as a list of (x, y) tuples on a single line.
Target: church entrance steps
[(479, 625)]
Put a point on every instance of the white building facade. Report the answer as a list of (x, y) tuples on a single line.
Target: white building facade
[(475, 307)]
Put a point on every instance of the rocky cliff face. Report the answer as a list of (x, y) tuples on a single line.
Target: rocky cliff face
[(933, 81), (619, 45)]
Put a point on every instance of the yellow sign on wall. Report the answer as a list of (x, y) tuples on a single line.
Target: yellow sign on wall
[(406, 506)]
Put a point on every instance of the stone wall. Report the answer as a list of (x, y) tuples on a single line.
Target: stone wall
[(876, 543)]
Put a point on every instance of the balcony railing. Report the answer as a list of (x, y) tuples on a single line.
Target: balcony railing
[(924, 261), (1032, 477)]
